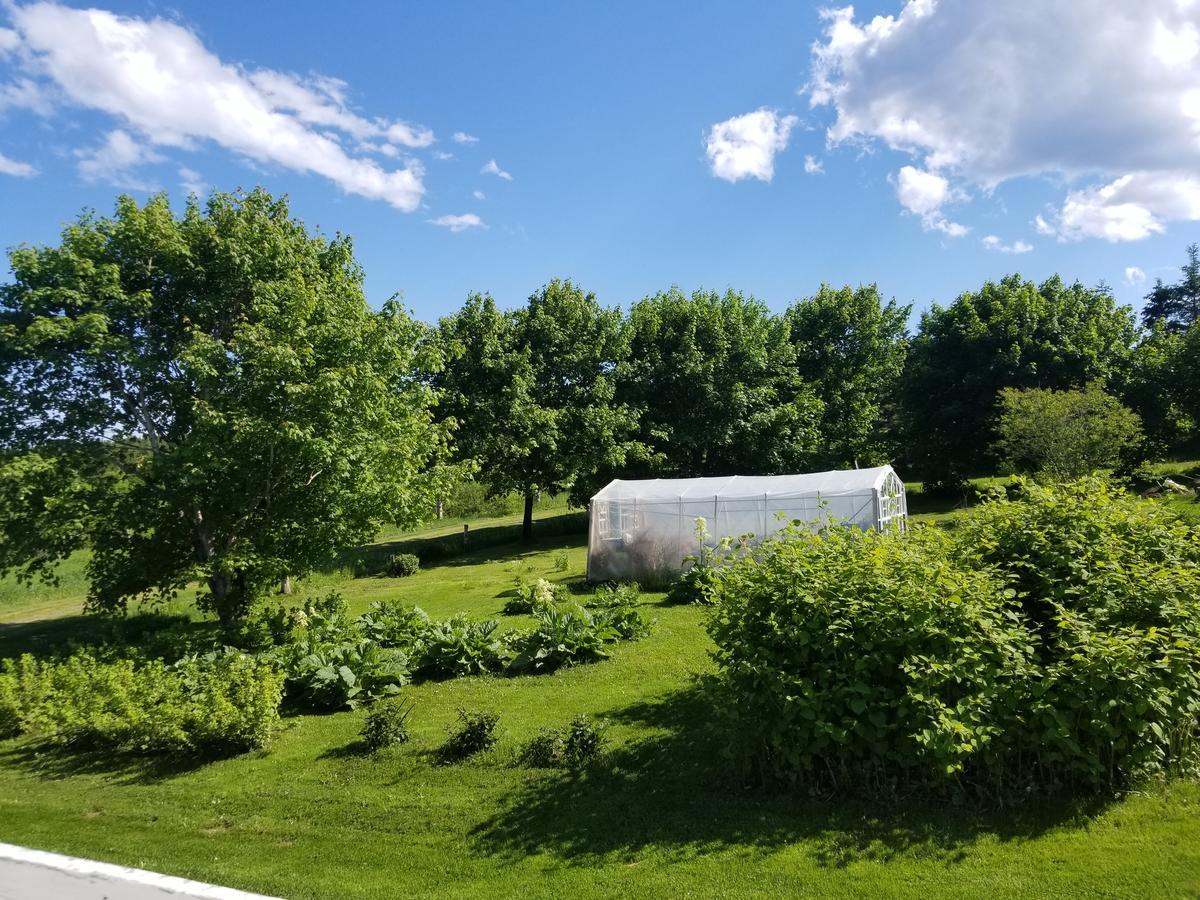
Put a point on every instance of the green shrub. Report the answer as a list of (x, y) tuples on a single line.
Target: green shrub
[(562, 561), (531, 596), (566, 634), (1052, 641), (551, 748), (620, 623), (625, 593), (699, 584), (387, 724), (461, 646), (475, 733), (391, 623), (267, 627), (222, 703), (402, 565), (343, 676)]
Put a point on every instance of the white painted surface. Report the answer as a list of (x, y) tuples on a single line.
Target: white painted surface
[(35, 874)]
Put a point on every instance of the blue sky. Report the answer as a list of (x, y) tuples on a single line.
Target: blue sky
[(765, 146)]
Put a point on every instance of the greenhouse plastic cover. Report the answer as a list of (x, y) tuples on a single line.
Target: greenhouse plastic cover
[(645, 530)]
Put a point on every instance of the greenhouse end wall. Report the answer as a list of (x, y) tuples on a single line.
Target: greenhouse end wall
[(646, 530)]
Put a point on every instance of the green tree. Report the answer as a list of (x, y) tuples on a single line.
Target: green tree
[(715, 381), (1011, 333), (1065, 434), (850, 346), (1158, 378), (202, 398), (531, 391), (1176, 306)]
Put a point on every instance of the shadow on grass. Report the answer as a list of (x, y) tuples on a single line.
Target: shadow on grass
[(51, 762), (675, 792), (153, 634)]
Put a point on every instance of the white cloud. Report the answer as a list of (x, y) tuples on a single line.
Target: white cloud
[(459, 223), (15, 167), (1129, 208), (745, 146), (1089, 92), (491, 168), (812, 165), (192, 182), (442, 155), (114, 161), (167, 86), (461, 137), (479, 195), (1134, 276), (923, 194), (25, 93), (992, 242), (9, 40)]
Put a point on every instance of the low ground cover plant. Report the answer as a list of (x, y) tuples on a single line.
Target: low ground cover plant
[(1051, 642), (461, 646), (576, 746), (218, 704)]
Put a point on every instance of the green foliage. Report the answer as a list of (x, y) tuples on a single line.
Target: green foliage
[(551, 748), (1065, 434), (344, 675), (391, 623), (461, 646), (207, 398), (473, 499), (476, 732), (214, 705), (624, 593), (1051, 641), (1011, 333), (699, 584), (402, 565), (621, 622), (530, 596), (387, 724), (715, 380), (565, 634), (562, 561), (851, 346), (1176, 306)]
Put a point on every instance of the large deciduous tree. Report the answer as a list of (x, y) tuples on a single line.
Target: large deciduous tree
[(1012, 333), (715, 381), (202, 398), (850, 346), (531, 390)]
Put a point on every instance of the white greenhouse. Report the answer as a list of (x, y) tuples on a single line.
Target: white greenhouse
[(645, 530)]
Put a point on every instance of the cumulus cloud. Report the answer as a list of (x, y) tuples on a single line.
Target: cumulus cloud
[(168, 88), (923, 194), (812, 165), (492, 168), (1090, 92), (15, 167), (459, 223), (1134, 276), (461, 137), (993, 242), (745, 146), (115, 161)]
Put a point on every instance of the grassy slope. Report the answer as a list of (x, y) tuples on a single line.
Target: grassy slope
[(664, 818)]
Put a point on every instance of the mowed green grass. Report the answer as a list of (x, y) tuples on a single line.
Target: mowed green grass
[(665, 815)]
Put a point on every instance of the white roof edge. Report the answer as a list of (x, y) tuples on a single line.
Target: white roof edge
[(831, 483)]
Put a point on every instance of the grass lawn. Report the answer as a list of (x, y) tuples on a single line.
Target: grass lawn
[(663, 816)]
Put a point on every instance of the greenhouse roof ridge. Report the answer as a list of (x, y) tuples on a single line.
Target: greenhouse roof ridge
[(830, 484)]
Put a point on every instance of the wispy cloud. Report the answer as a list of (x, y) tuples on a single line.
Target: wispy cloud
[(465, 222), (16, 168), (461, 137), (115, 161), (492, 168)]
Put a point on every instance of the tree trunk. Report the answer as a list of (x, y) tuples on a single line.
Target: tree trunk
[(441, 504), (527, 522), (285, 586)]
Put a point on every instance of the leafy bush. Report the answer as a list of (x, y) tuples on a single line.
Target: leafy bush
[(268, 626), (391, 623), (1065, 434), (551, 748), (565, 635), (461, 646), (475, 733), (699, 584), (1051, 641), (343, 676), (532, 596), (625, 593), (221, 703), (620, 623), (387, 724), (402, 565), (562, 561)]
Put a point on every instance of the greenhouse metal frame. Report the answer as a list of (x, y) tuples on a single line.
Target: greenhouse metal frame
[(646, 530)]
